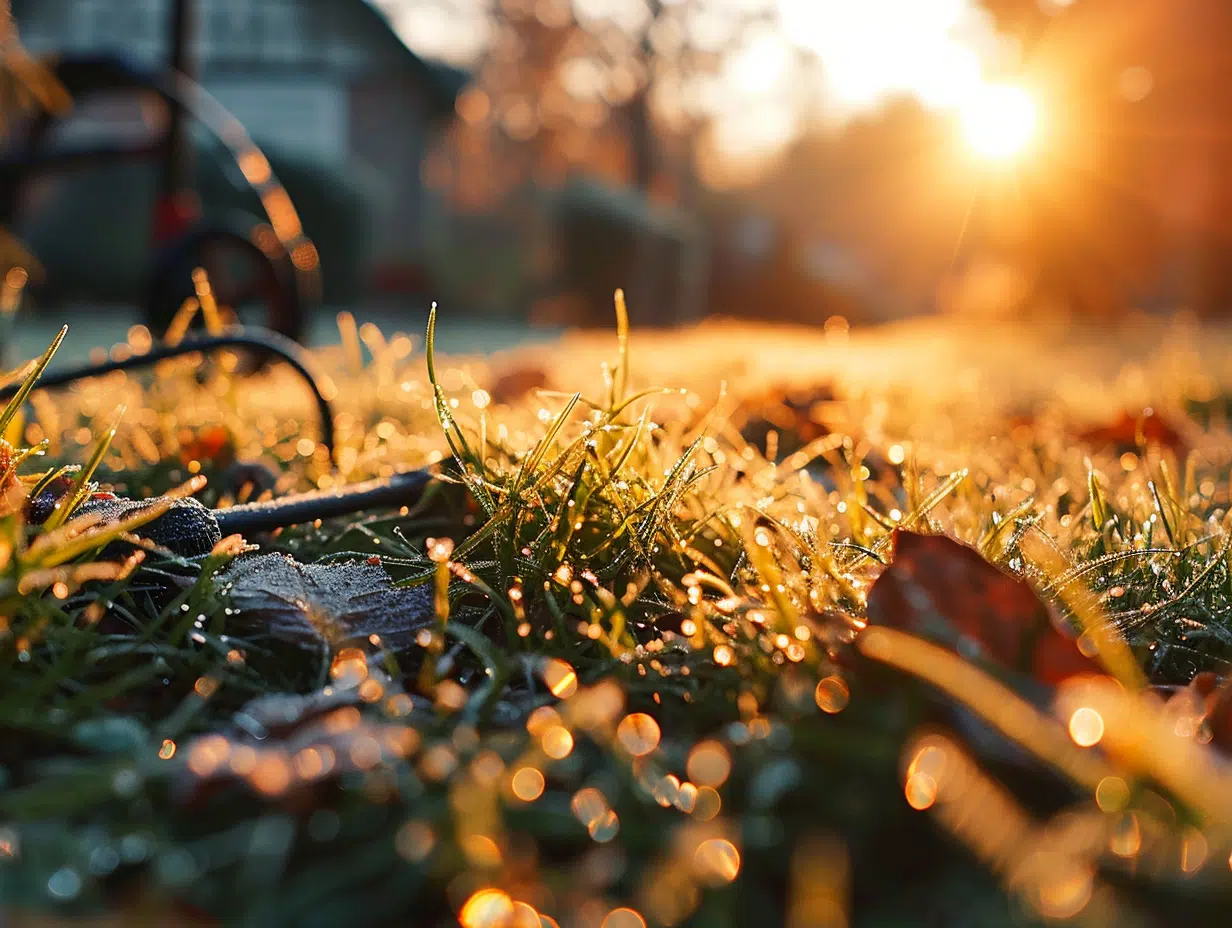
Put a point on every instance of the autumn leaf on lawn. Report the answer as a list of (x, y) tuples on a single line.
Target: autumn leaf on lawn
[(1128, 433), (941, 589), (334, 602), (1203, 709)]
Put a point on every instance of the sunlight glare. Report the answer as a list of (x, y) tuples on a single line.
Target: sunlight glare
[(1000, 121), (876, 49)]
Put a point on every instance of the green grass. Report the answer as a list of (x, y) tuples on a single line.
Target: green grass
[(693, 534)]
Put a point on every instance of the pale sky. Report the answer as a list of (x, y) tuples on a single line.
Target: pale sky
[(870, 49), (939, 51), (932, 49)]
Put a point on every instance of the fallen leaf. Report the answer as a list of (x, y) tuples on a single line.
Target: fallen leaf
[(214, 443), (1126, 433), (311, 604), (942, 589), (795, 415), (1207, 697), (514, 384)]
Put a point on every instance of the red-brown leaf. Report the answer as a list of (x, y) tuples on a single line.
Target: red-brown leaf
[(938, 585), (1218, 700), (214, 444), (1125, 432)]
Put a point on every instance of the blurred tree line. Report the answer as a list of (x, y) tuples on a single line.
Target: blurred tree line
[(587, 121), (861, 219), (1126, 201), (589, 131)]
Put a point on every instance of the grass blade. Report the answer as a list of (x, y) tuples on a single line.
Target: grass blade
[(19, 398)]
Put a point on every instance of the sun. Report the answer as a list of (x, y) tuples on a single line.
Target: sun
[(1000, 121)]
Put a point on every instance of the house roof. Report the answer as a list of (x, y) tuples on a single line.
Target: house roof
[(443, 81), (368, 29)]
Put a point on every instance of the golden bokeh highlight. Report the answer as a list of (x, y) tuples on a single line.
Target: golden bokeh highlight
[(709, 764), (488, 908), (1086, 727), (543, 718), (272, 774), (481, 851), (605, 828), (832, 695), (638, 734), (527, 784), (921, 791), (525, 916), (415, 841), (1067, 895), (1112, 794), (588, 805), (924, 775), (560, 678), (450, 696), (623, 918), (349, 668), (1195, 850), (591, 808), (557, 742), (707, 804), (716, 861)]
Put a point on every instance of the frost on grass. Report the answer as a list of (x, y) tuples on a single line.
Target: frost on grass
[(651, 692)]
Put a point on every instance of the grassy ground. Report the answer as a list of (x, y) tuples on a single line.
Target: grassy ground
[(94, 325), (632, 690)]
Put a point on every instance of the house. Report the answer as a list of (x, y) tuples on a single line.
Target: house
[(324, 81)]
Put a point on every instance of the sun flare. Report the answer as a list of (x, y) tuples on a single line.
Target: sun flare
[(1000, 121)]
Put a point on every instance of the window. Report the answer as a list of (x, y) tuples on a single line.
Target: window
[(86, 24), (280, 32), (228, 31), (144, 28)]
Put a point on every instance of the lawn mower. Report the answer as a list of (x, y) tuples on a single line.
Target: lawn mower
[(265, 264)]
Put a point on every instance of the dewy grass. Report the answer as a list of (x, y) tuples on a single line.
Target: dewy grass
[(640, 700)]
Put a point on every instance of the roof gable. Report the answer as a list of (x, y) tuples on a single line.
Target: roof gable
[(351, 38)]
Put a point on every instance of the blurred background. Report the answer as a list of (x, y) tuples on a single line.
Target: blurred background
[(517, 160)]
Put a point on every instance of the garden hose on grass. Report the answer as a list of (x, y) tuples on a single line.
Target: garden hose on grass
[(259, 341), (189, 529)]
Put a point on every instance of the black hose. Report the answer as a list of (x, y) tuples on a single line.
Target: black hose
[(190, 530), (259, 340), (399, 490)]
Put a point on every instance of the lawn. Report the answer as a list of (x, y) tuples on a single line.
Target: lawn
[(729, 626)]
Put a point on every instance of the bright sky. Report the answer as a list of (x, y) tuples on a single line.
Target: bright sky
[(869, 50)]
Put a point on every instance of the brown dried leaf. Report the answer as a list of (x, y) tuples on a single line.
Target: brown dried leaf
[(1127, 433), (943, 589)]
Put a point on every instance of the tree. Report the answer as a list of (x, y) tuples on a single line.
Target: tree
[(622, 91), (622, 88)]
